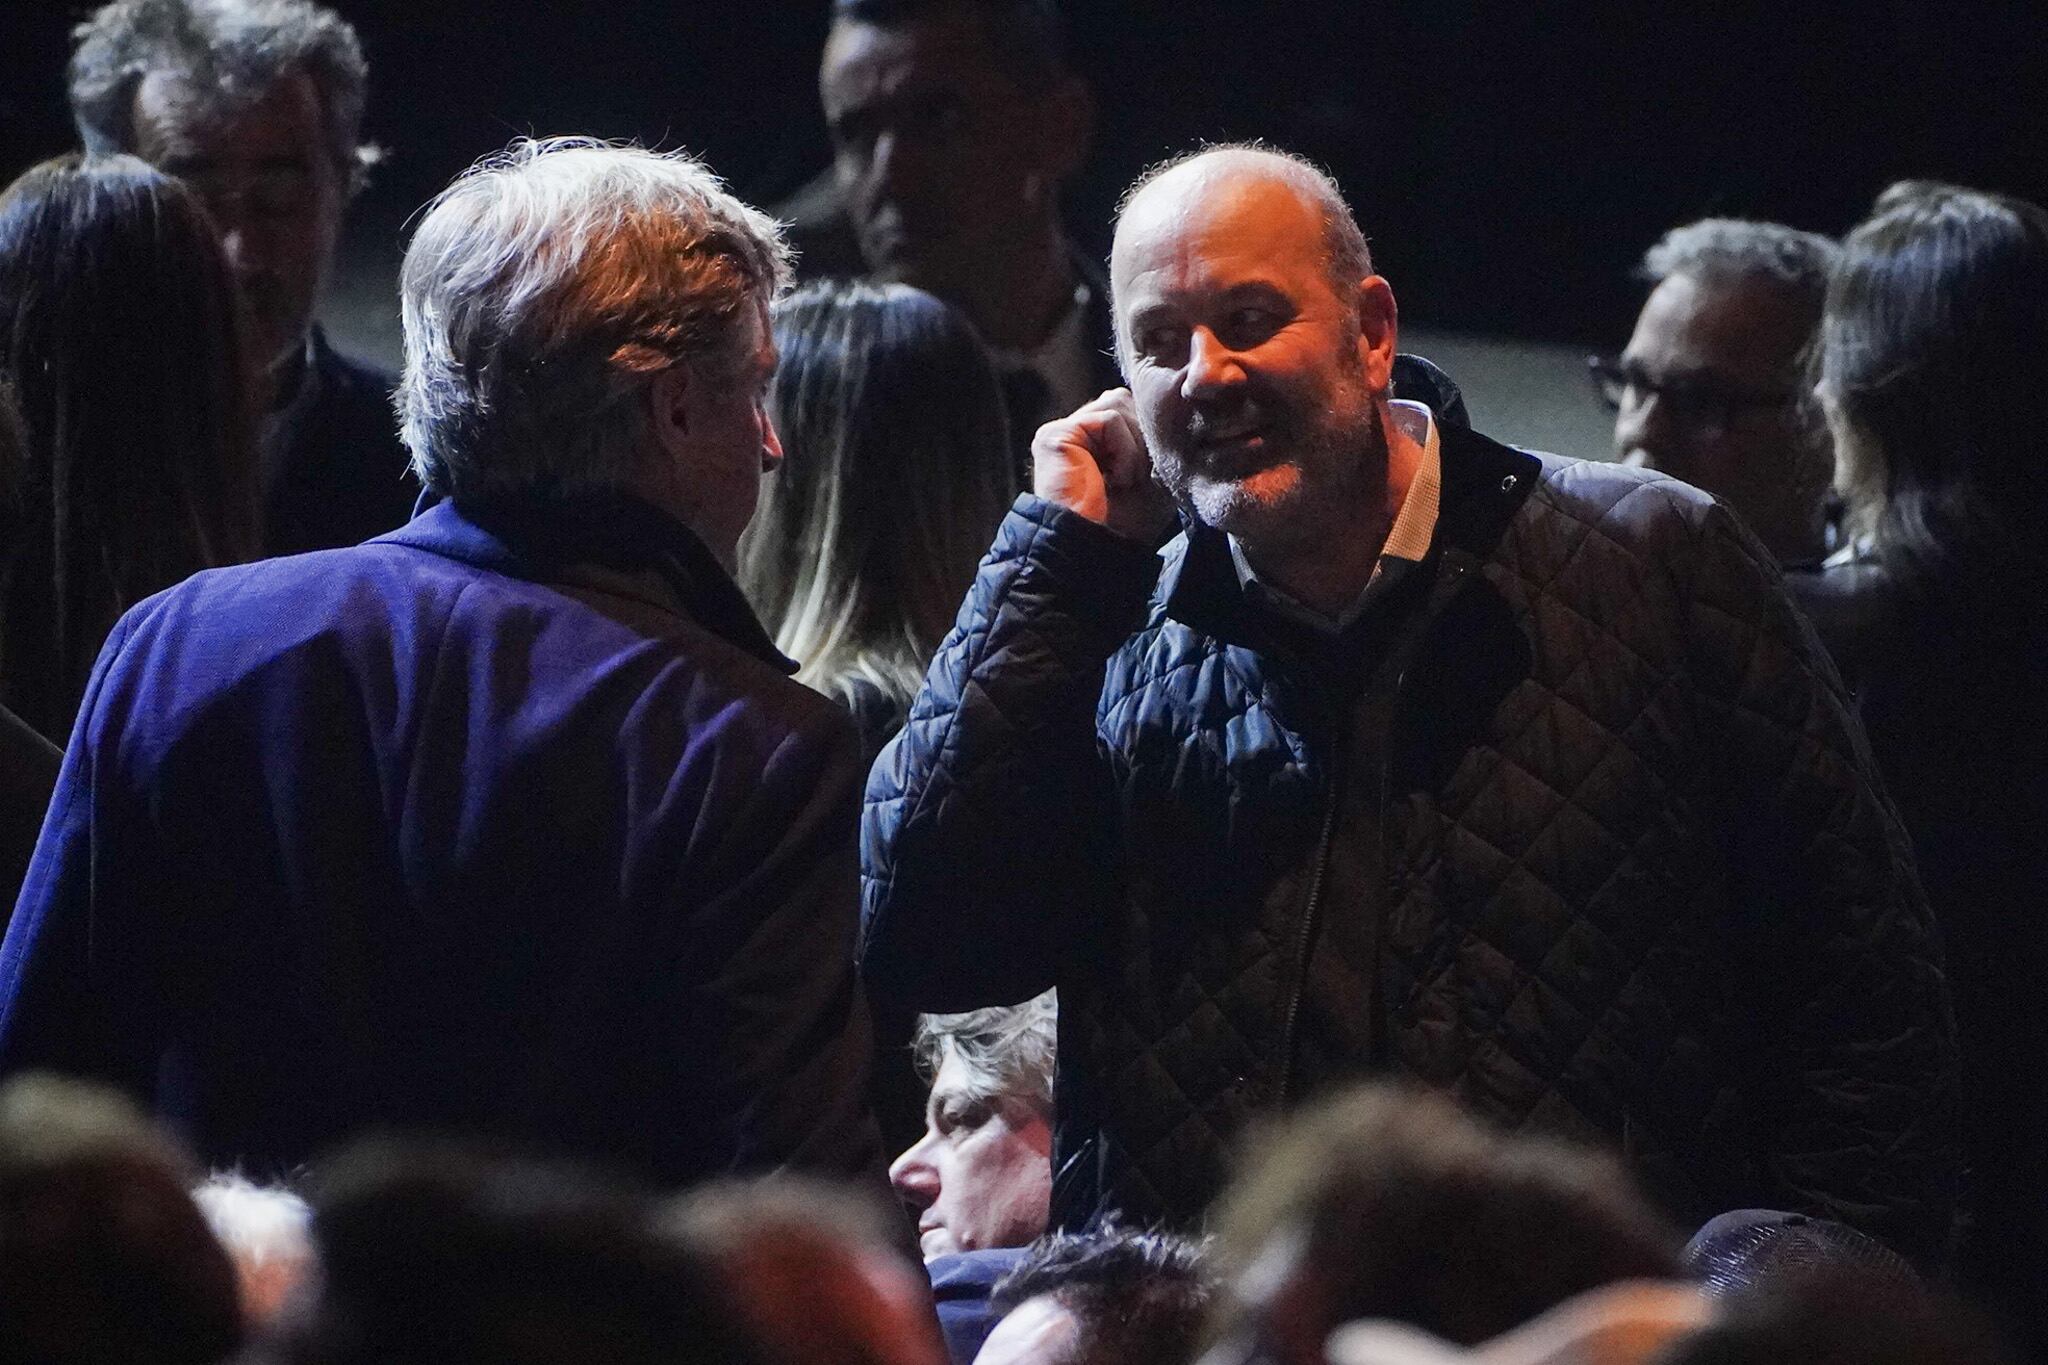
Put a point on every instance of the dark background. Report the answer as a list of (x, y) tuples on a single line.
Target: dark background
[(1510, 160)]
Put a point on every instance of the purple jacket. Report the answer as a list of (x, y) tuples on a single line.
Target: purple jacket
[(509, 822)]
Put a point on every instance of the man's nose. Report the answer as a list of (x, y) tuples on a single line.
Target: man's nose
[(1642, 428), (914, 1176), (888, 165), (1212, 367)]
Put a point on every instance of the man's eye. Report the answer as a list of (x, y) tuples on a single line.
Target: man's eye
[(853, 134), (967, 1116), (1160, 342), (1249, 326)]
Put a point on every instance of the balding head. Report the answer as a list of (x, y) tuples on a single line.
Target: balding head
[(1258, 345), (1349, 259)]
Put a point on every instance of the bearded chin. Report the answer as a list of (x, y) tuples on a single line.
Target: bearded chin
[(1338, 466)]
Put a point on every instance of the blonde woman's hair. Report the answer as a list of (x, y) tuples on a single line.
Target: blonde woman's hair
[(896, 472)]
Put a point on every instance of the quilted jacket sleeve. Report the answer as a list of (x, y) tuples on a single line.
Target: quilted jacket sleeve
[(1856, 1095), (987, 844)]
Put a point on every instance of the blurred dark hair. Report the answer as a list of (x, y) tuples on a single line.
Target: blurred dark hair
[(1027, 38), (13, 468), (104, 1257), (1933, 350), (440, 1252), (819, 1271), (1384, 1204), (896, 472), (1138, 1297), (1841, 1317), (121, 332)]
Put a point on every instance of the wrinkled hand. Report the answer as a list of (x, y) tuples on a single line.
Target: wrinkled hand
[(1094, 462)]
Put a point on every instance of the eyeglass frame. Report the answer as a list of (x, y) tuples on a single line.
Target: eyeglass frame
[(1703, 407)]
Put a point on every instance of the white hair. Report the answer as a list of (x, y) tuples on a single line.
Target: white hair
[(544, 291), (1007, 1051), (258, 1224)]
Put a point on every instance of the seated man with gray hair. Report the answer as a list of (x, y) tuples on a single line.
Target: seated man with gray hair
[(509, 822), (980, 1179)]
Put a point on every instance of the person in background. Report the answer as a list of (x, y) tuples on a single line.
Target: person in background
[(1934, 346), (1378, 1203), (895, 474), (28, 761), (120, 335), (981, 1175), (103, 1255), (433, 1252), (818, 1273), (954, 125), (258, 105), (511, 822), (1108, 1298), (1713, 387)]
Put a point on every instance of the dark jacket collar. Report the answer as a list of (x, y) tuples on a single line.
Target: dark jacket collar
[(1484, 484), (547, 540)]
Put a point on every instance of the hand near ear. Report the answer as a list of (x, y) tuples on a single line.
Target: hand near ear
[(1095, 463)]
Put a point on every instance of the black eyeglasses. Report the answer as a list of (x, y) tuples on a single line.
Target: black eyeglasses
[(1690, 402)]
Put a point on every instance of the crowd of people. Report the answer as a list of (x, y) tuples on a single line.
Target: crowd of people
[(847, 783)]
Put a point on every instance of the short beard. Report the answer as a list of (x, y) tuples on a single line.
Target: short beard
[(1336, 472)]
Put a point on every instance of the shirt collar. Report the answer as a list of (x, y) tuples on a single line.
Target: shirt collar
[(1408, 540)]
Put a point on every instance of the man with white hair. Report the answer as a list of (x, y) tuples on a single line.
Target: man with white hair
[(511, 821), (258, 104), (1416, 756)]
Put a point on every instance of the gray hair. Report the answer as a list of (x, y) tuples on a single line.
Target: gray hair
[(231, 53), (1007, 1051), (543, 293), (1720, 250)]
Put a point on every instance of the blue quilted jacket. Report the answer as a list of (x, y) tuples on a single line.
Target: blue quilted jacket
[(1576, 827)]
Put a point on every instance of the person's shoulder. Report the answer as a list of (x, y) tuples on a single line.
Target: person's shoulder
[(344, 373), (290, 593), (1621, 501)]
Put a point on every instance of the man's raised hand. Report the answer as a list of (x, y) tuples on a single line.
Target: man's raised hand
[(1094, 462)]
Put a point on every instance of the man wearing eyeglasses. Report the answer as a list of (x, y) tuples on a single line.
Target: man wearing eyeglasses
[(1712, 387)]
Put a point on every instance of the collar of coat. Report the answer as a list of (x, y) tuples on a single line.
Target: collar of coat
[(1484, 484), (548, 540)]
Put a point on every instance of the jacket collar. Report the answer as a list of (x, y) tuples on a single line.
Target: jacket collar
[(550, 540), (1484, 484)]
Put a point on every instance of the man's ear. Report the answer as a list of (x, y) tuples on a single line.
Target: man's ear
[(1066, 125), (1378, 329), (670, 400)]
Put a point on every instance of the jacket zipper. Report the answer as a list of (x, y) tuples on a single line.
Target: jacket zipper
[(1298, 984)]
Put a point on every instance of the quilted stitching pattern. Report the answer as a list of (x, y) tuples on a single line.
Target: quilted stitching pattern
[(1655, 901)]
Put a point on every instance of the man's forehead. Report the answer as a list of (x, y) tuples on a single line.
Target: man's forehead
[(1734, 324), (865, 61), (1226, 210), (177, 117)]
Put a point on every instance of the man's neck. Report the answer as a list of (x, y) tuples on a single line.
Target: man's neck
[(1030, 296), (1327, 568)]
